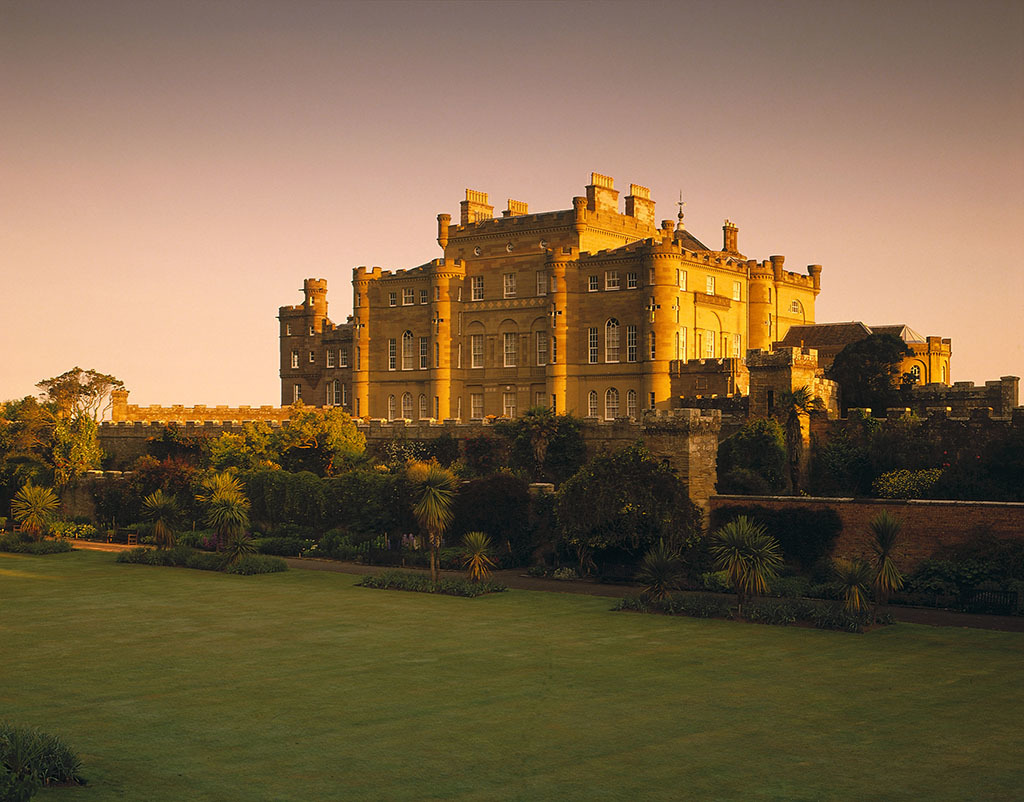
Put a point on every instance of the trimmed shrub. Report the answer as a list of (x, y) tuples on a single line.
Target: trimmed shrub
[(13, 543), (833, 616), (421, 583), (906, 484), (281, 546), (44, 758), (69, 529), (251, 564)]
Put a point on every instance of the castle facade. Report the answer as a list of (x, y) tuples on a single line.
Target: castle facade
[(587, 310)]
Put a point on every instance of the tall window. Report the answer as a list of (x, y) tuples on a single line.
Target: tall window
[(423, 296), (593, 284), (342, 357), (709, 288), (476, 351), (652, 345), (510, 285), (477, 286), (631, 403), (611, 340), (437, 293), (542, 347), (592, 346), (737, 350), (678, 346), (631, 281), (592, 404), (408, 296), (295, 359), (511, 349), (508, 404), (408, 358), (709, 344), (682, 280), (683, 344), (611, 403), (794, 307), (392, 353), (424, 353), (476, 405), (737, 291), (344, 395), (538, 399), (359, 358), (330, 358), (297, 392), (312, 357), (391, 407), (424, 412), (631, 343), (458, 356), (611, 280), (407, 405), (288, 329), (554, 350), (542, 283)]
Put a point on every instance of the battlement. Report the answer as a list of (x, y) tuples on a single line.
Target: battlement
[(781, 357)]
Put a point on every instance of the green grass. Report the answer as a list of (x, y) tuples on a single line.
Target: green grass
[(189, 685)]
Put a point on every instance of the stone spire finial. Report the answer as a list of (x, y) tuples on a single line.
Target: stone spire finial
[(681, 204)]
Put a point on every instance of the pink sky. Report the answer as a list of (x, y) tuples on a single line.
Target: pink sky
[(171, 171)]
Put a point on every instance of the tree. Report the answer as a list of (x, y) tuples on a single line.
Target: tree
[(661, 571), (227, 508), (80, 392), (544, 446), (74, 448), (750, 556), (163, 511), (855, 579), (868, 371), (34, 507), (435, 490), (624, 503), (885, 530), (794, 408), (477, 558), (324, 441), (753, 459)]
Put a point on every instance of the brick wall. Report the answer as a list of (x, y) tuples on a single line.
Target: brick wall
[(927, 525)]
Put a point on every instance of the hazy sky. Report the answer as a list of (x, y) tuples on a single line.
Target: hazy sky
[(171, 171)]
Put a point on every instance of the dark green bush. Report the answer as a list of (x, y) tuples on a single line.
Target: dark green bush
[(806, 535), (13, 543), (500, 506), (251, 564), (179, 556), (421, 583), (16, 787), (833, 616), (44, 758), (790, 587), (759, 448), (281, 546)]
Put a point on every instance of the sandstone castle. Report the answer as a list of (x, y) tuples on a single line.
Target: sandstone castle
[(588, 310)]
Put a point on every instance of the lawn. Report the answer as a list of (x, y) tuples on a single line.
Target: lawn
[(189, 685)]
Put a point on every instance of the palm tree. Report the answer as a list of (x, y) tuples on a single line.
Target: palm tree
[(34, 507), (162, 509), (792, 408), (435, 487), (238, 545), (477, 558), (855, 577), (223, 482), (885, 530), (749, 554), (228, 513), (661, 571)]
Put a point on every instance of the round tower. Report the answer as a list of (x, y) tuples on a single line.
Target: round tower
[(660, 327), (557, 368), (361, 342), (441, 281), (760, 301)]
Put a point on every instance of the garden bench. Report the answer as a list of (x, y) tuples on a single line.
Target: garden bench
[(133, 538), (997, 602)]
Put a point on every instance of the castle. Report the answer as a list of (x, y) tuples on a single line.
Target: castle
[(588, 310)]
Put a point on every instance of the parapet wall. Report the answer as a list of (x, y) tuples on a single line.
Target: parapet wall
[(927, 525), (686, 438), (1001, 396)]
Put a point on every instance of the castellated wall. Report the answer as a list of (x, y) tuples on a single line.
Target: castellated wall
[(1000, 396), (122, 411), (686, 438)]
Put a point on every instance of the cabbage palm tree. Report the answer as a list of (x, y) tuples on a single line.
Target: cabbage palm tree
[(477, 557), (750, 556), (792, 408), (162, 509), (34, 507), (228, 512), (855, 577), (435, 492), (885, 530), (661, 571)]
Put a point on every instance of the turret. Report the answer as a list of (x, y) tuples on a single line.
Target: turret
[(761, 300), (315, 293), (443, 221)]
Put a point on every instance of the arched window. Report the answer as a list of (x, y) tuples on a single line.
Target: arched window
[(915, 371), (611, 404), (407, 405), (943, 373), (631, 403), (592, 404), (423, 407), (391, 407), (611, 340), (407, 351)]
